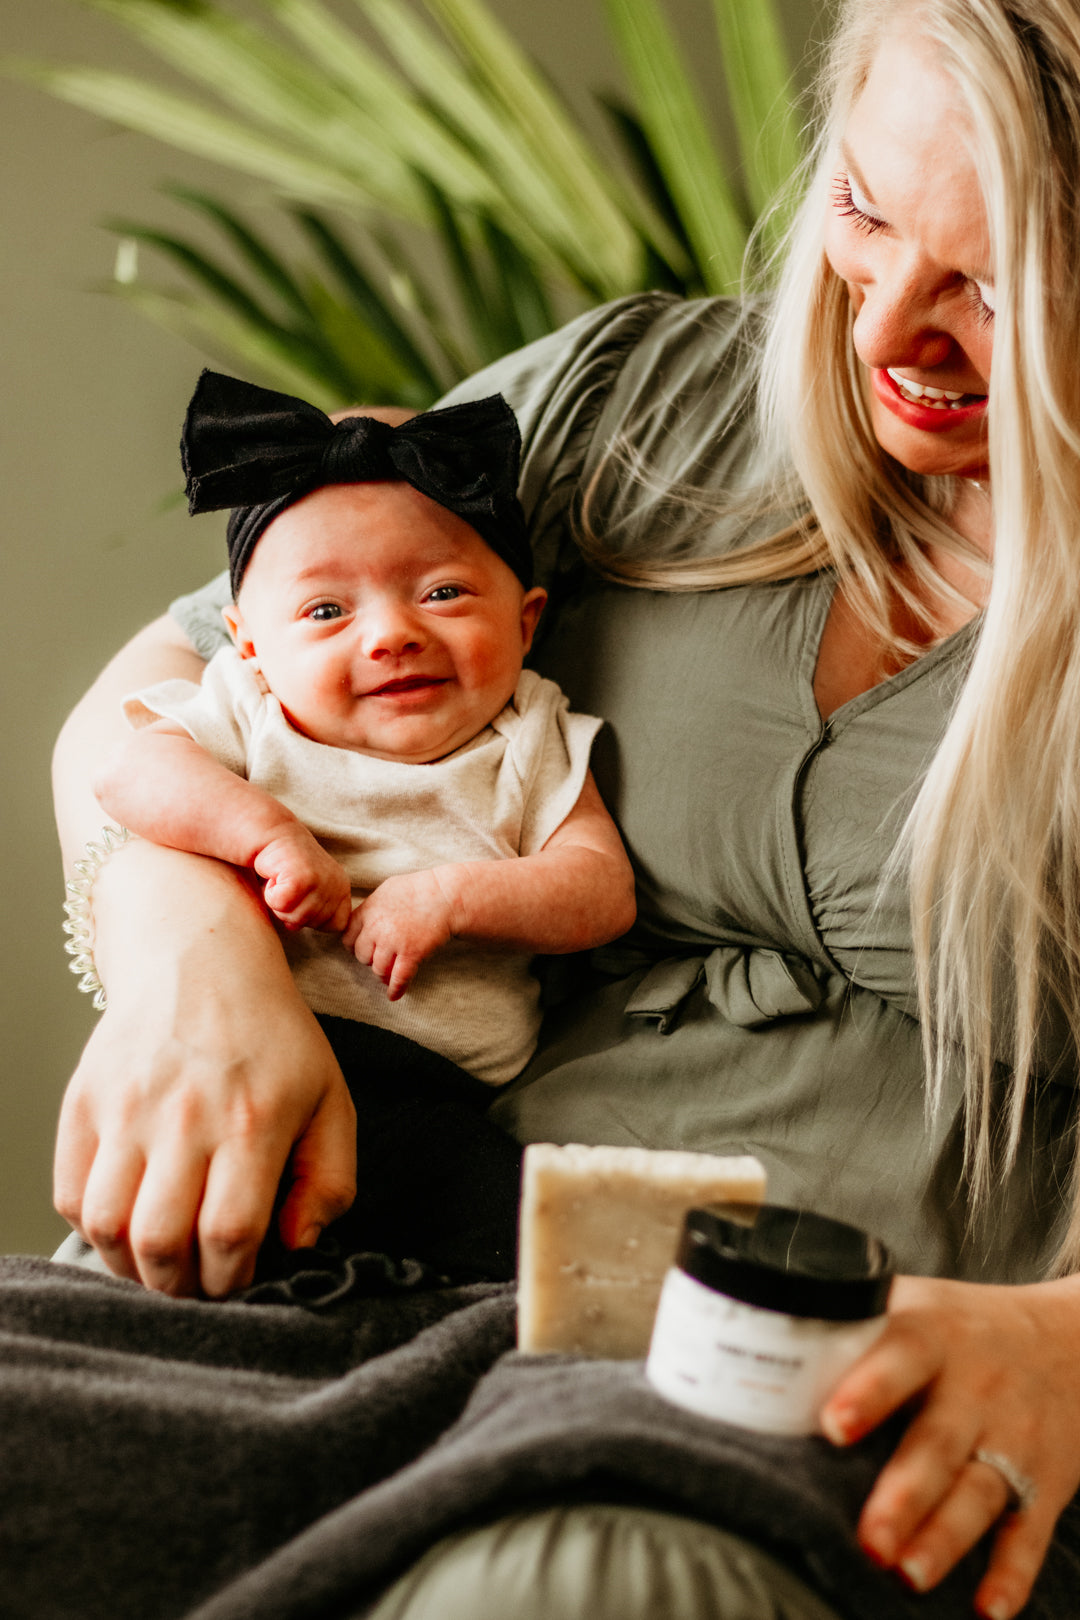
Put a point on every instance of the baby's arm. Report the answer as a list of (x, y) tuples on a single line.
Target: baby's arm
[(576, 892), (166, 787)]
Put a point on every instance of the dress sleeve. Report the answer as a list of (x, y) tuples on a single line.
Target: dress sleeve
[(199, 616), (219, 714), (637, 416)]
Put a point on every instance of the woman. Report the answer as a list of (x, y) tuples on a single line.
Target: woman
[(869, 711)]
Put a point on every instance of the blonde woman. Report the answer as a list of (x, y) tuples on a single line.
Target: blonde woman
[(843, 746)]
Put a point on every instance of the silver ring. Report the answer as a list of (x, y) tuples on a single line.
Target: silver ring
[(1023, 1491)]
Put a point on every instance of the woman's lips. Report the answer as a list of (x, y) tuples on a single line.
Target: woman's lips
[(928, 418)]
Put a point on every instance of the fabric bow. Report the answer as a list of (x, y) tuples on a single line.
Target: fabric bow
[(259, 451)]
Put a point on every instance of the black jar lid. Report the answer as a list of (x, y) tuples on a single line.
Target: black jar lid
[(786, 1260)]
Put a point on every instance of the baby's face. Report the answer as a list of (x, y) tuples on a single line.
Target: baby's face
[(382, 622)]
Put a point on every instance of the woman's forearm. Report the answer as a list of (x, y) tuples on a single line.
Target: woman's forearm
[(207, 1080), (96, 725)]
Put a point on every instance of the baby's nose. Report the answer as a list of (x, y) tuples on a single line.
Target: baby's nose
[(389, 630)]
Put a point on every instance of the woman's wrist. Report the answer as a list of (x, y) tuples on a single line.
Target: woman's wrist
[(154, 909)]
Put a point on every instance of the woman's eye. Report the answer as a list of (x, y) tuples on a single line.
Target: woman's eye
[(444, 593), (324, 611), (849, 201), (983, 295)]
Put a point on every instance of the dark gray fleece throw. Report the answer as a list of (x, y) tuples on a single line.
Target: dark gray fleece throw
[(287, 1456)]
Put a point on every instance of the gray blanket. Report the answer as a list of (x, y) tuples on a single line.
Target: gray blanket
[(287, 1456)]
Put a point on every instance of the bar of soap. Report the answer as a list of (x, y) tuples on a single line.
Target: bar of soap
[(599, 1230)]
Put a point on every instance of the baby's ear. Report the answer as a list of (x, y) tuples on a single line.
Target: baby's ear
[(532, 605), (234, 619)]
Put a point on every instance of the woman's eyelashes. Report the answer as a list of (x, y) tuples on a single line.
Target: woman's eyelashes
[(849, 201), (983, 297)]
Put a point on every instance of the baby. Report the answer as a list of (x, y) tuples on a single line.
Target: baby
[(419, 807)]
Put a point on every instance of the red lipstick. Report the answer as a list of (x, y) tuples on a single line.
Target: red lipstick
[(925, 417)]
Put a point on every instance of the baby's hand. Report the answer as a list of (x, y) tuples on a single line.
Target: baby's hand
[(305, 887), (399, 925)]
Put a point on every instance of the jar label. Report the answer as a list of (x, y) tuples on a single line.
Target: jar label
[(742, 1364)]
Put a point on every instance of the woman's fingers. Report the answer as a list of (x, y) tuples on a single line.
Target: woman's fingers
[(112, 1186), (76, 1147), (896, 1367), (322, 1170), (241, 1184), (1020, 1546), (163, 1218)]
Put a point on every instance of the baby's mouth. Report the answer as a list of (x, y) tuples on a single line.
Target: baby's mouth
[(407, 683)]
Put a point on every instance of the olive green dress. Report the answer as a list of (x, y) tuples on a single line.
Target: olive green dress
[(764, 1001)]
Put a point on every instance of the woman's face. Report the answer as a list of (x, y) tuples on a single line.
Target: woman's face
[(907, 232)]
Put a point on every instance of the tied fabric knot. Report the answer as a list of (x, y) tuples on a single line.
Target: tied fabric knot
[(750, 985), (358, 449), (259, 451)]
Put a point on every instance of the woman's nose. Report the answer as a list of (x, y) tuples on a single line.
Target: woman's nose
[(896, 324)]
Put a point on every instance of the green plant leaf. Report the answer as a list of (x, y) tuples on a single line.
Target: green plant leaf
[(591, 242), (218, 332), (680, 140), (375, 372), (759, 83), (273, 87), (262, 259), (589, 189), (526, 309), (632, 137), (418, 138), (193, 128), (370, 305)]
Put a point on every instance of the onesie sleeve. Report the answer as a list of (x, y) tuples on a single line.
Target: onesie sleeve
[(549, 748), (219, 714)]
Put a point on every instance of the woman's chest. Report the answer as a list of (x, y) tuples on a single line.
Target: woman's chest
[(747, 816)]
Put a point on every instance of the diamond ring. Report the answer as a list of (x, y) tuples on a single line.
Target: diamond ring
[(1023, 1491)]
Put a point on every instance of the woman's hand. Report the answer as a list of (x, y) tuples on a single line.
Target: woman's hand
[(991, 1369), (206, 1080)]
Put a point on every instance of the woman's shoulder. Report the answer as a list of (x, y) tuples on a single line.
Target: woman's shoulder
[(652, 382), (602, 363)]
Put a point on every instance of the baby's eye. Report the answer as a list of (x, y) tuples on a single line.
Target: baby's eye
[(444, 593), (323, 611)]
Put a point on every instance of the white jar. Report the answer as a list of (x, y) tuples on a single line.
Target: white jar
[(763, 1312)]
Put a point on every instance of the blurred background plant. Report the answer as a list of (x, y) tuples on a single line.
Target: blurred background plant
[(449, 207)]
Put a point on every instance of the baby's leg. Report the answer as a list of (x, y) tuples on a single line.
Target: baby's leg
[(436, 1180)]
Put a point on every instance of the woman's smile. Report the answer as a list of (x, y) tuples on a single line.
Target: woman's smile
[(928, 409)]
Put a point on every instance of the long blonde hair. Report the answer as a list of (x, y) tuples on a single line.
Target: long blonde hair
[(993, 841)]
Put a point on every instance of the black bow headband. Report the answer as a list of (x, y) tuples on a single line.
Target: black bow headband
[(259, 451)]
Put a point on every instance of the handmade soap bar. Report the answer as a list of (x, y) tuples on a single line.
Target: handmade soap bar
[(599, 1229)]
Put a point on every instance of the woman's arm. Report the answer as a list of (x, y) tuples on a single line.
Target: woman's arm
[(990, 1369), (207, 1076)]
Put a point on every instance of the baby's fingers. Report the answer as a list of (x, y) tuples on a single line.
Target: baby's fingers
[(351, 937)]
